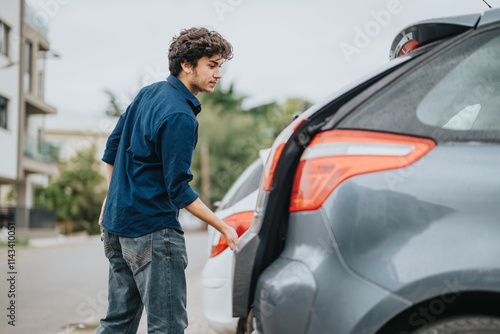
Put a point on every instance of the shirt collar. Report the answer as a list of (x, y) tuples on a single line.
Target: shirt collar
[(190, 98)]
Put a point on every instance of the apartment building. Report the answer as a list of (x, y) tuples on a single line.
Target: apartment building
[(26, 159)]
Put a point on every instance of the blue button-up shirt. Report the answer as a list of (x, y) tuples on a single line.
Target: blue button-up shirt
[(151, 149)]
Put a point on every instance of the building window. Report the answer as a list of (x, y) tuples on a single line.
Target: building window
[(28, 65), (4, 38), (3, 112)]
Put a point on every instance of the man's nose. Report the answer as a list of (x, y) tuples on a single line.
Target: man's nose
[(217, 73)]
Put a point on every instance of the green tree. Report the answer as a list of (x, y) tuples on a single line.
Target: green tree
[(236, 135), (234, 142), (274, 117), (77, 193)]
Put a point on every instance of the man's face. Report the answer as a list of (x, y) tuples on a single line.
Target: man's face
[(204, 77)]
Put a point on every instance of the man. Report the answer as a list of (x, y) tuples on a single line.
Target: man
[(148, 158)]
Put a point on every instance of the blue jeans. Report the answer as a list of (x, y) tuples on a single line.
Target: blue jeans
[(147, 271)]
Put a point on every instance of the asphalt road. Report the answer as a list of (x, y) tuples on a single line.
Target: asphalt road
[(65, 283)]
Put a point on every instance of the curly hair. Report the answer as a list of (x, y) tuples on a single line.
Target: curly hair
[(195, 43)]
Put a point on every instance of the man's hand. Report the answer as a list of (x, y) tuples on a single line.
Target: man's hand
[(231, 236), (200, 210)]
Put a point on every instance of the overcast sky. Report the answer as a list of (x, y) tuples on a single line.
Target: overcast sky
[(282, 48)]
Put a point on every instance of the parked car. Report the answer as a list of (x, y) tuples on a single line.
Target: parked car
[(380, 206), (236, 209)]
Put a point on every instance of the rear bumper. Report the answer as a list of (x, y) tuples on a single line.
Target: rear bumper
[(310, 289), (285, 297)]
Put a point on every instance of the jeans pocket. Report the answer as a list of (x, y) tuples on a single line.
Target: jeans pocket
[(137, 251), (176, 246), (108, 249), (166, 238)]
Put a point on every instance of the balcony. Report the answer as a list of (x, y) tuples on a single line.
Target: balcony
[(36, 106), (40, 150), (27, 218), (39, 156), (37, 19)]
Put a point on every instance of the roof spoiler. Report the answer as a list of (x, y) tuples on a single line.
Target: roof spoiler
[(426, 32)]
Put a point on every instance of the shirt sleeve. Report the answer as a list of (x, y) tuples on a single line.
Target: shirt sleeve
[(113, 141), (176, 140)]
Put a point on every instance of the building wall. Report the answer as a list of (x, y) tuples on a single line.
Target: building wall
[(24, 164), (10, 12)]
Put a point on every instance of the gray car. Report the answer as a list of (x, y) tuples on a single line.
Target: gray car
[(379, 209)]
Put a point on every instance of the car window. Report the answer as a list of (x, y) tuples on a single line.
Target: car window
[(467, 97), (247, 183), (454, 96)]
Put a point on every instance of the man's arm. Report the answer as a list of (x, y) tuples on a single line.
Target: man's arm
[(201, 211), (110, 154), (109, 172), (114, 141)]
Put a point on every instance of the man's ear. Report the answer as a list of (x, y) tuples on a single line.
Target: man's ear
[(186, 67)]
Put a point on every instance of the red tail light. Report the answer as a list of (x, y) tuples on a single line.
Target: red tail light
[(240, 222), (336, 155)]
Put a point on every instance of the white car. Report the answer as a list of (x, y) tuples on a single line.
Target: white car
[(235, 209)]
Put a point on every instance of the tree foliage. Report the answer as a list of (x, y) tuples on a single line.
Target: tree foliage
[(235, 135), (77, 193)]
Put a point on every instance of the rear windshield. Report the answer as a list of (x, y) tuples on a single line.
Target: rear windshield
[(453, 97)]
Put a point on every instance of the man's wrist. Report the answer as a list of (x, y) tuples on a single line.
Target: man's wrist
[(226, 228)]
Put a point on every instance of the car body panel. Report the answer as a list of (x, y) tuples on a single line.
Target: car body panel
[(391, 225), (489, 17), (350, 245)]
